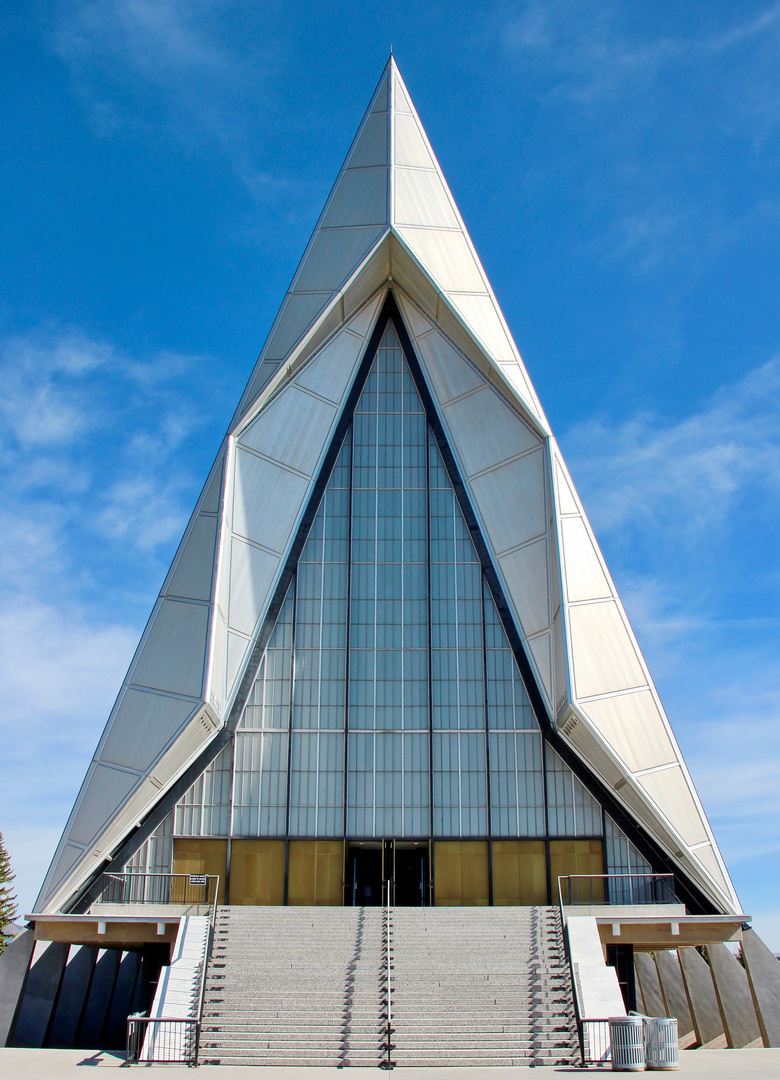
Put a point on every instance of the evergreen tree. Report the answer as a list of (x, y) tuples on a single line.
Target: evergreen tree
[(7, 897)]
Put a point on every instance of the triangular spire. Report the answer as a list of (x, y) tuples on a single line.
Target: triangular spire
[(390, 223)]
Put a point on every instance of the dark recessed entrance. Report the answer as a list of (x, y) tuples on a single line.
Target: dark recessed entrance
[(378, 869)]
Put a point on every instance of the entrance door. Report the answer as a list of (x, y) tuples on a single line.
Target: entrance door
[(410, 873), (364, 874)]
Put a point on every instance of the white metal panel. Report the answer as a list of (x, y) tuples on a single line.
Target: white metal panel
[(215, 691), (511, 501), (540, 650), (69, 856), (380, 99), (401, 102), (359, 199), (446, 256), (559, 662), (266, 501), (297, 315), (409, 273), (487, 431), (567, 504), (670, 792), (265, 372), (525, 573), (105, 792), (480, 315), (210, 503), (421, 199), (237, 649), (292, 429), (330, 372), (174, 652), (252, 572), (371, 148), (585, 579), (416, 322), (632, 725), (709, 860), (333, 256), (193, 574), (449, 373), (603, 656), (363, 321), (410, 148), (142, 727)]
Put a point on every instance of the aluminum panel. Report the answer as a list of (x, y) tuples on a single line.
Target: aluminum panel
[(517, 378), (585, 579), (237, 649), (266, 501), (261, 378), (422, 199), (447, 258), (603, 656), (559, 669), (174, 652), (380, 99), (670, 792), (449, 373), (540, 650), (333, 256), (106, 790), (708, 859), (359, 199), (632, 725), (416, 322), (410, 148), (567, 504), (480, 315), (292, 429), (297, 315), (210, 504), (194, 571), (401, 103), (142, 727), (252, 572), (331, 371), (406, 269), (511, 501), (69, 856), (487, 431), (371, 148), (215, 691), (363, 322), (525, 573)]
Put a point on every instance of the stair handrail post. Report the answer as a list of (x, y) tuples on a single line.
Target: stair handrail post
[(388, 948)]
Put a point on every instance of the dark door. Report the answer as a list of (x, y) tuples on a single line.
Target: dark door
[(364, 875), (411, 874)]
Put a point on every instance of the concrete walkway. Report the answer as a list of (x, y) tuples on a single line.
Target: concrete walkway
[(71, 1065)]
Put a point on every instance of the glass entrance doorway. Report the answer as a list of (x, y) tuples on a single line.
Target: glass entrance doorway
[(381, 869)]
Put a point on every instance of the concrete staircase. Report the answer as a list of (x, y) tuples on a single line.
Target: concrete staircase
[(307, 986)]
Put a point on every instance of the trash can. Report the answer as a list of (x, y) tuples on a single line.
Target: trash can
[(662, 1049), (626, 1035)]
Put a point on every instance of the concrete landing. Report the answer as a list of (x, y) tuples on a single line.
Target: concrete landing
[(69, 1065)]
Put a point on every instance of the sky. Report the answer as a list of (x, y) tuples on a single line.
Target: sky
[(616, 163)]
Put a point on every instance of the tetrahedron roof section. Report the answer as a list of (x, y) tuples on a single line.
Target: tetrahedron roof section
[(390, 182)]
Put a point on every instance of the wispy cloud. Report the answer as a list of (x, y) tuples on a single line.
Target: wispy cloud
[(101, 463)]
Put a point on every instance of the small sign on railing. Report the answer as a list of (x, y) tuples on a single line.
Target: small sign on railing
[(197, 879)]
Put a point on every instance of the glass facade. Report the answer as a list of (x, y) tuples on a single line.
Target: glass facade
[(389, 703)]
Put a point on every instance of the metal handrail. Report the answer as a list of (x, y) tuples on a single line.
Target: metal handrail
[(387, 936), (661, 889), (192, 1021), (131, 888)]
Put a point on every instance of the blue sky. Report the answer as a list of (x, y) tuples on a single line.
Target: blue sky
[(617, 165)]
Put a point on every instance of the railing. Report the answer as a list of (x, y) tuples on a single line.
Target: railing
[(586, 889), (172, 1035), (595, 1043), (158, 889), (154, 1040), (387, 941)]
